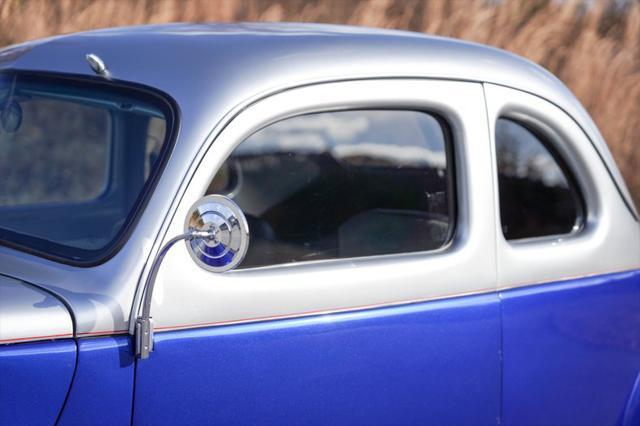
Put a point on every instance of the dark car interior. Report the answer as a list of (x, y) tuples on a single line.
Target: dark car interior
[(303, 205)]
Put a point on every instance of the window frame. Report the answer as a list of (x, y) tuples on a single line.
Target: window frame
[(550, 141), (451, 181)]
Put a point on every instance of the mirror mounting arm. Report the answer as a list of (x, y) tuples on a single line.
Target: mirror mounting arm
[(223, 238), (144, 323)]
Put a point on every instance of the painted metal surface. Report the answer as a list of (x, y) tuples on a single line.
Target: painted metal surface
[(434, 363), (222, 81), (610, 237), (102, 390), (28, 313), (186, 295), (569, 349), (572, 352), (632, 410), (34, 381)]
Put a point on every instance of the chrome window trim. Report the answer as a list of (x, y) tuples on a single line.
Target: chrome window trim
[(604, 243), (546, 135), (194, 297)]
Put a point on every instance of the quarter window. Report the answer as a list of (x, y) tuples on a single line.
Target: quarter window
[(538, 196), (342, 184)]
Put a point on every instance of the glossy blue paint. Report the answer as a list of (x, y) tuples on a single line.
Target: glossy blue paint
[(102, 390), (435, 363), (572, 352), (34, 381), (632, 410)]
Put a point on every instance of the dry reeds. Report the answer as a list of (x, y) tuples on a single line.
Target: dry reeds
[(594, 47)]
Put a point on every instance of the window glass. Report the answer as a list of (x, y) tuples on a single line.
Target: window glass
[(74, 161), (537, 195), (342, 184), (156, 135), (38, 162)]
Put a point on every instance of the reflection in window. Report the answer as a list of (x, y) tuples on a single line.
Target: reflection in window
[(537, 196), (156, 135), (74, 161), (341, 184), (47, 162)]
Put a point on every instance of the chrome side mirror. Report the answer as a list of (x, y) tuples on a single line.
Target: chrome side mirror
[(218, 215), (217, 237)]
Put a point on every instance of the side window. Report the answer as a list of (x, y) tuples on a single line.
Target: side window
[(538, 196), (342, 184), (35, 162)]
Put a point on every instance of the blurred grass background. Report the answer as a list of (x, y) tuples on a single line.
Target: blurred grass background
[(592, 45)]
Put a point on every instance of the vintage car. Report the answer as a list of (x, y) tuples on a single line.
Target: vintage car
[(309, 224)]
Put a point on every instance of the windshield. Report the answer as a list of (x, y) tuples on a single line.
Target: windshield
[(75, 161)]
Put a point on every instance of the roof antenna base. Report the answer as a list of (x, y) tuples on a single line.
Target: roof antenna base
[(97, 65)]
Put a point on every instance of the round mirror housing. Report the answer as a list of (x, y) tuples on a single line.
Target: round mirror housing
[(229, 241)]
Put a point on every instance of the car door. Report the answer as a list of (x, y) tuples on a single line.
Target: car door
[(37, 354), (368, 292), (568, 262)]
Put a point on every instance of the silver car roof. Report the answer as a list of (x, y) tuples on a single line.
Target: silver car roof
[(210, 68)]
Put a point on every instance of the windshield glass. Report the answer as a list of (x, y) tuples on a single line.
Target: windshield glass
[(75, 159)]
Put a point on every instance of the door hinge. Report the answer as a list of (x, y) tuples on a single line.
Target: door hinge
[(144, 337)]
